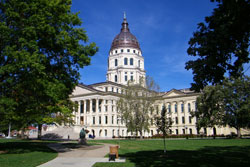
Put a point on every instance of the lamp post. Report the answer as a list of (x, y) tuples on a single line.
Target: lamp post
[(119, 121), (186, 131), (9, 137)]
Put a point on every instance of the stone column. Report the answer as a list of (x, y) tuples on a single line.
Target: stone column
[(90, 106), (97, 105), (85, 106)]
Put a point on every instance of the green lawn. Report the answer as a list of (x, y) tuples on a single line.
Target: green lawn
[(200, 153), (24, 153)]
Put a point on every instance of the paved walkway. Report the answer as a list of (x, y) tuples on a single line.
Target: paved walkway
[(85, 156)]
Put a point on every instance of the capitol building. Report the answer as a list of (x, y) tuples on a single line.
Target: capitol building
[(97, 103)]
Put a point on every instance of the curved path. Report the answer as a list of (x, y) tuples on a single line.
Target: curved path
[(85, 156)]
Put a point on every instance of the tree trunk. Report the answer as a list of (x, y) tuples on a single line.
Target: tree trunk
[(141, 137), (39, 134), (238, 133), (22, 133), (214, 132), (164, 144)]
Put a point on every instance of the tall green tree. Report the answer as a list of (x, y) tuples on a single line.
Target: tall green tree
[(135, 105), (221, 44), (164, 123), (41, 51), (237, 102), (225, 104), (210, 108)]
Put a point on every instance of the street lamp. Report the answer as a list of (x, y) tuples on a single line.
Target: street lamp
[(186, 131), (119, 121), (9, 137)]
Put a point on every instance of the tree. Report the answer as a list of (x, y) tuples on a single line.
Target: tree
[(221, 44), (136, 103), (210, 108), (237, 102), (164, 123), (225, 104), (41, 51)]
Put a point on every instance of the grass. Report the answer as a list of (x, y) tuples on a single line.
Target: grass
[(25, 153), (193, 153)]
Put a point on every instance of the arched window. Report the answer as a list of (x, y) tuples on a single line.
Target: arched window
[(189, 107), (125, 61), (131, 61), (116, 62), (169, 108), (175, 108)]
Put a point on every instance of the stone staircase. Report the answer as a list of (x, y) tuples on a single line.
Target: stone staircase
[(64, 132)]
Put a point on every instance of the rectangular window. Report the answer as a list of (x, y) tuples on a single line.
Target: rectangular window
[(106, 101), (128, 50), (93, 120), (175, 108), (106, 132), (112, 108), (183, 131), (182, 107), (131, 77), (106, 119), (116, 62), (134, 51), (122, 50), (112, 89), (176, 120), (190, 131), (189, 107), (115, 78), (190, 119), (106, 108), (100, 120), (176, 131), (152, 122), (112, 120), (115, 51), (183, 120), (106, 89), (126, 77)]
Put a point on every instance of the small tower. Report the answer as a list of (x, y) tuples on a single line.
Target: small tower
[(125, 60)]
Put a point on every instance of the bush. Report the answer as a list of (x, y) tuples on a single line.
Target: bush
[(51, 136)]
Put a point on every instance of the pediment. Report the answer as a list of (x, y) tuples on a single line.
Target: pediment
[(80, 90), (173, 92)]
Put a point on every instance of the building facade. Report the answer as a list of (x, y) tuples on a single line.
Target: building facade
[(97, 111)]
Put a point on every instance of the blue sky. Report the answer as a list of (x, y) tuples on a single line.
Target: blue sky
[(162, 27)]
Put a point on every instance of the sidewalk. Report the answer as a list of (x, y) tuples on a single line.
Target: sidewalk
[(85, 156)]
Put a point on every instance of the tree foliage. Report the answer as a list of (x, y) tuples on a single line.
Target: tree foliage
[(164, 123), (237, 102), (221, 44), (210, 107), (225, 104), (41, 52), (135, 105)]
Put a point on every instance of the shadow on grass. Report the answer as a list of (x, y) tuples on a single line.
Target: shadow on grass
[(207, 157), (24, 147)]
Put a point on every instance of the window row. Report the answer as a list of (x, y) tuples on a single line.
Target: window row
[(126, 50), (94, 121), (182, 108), (131, 62)]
